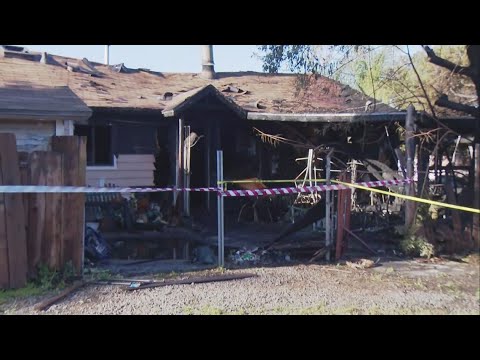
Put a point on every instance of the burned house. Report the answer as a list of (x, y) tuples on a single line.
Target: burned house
[(148, 128), (136, 134)]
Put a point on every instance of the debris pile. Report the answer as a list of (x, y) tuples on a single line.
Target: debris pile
[(361, 264), (244, 256), (254, 257)]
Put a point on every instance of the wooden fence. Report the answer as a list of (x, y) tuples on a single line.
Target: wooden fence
[(41, 228)]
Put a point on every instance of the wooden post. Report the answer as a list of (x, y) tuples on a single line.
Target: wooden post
[(476, 202), (423, 171), (410, 154), (343, 217)]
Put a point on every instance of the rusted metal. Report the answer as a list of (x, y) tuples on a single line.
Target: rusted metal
[(44, 305), (197, 280)]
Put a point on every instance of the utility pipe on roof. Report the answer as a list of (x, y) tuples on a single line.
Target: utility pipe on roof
[(107, 55), (208, 66)]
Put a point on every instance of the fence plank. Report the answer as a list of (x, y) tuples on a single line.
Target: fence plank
[(15, 215), (4, 275), (36, 213), (53, 212), (73, 149), (24, 180)]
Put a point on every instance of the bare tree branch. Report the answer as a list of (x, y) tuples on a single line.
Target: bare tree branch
[(444, 102), (454, 68), (473, 53), (421, 85)]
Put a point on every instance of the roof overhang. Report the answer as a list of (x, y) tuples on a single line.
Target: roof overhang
[(42, 104), (329, 117), (460, 124)]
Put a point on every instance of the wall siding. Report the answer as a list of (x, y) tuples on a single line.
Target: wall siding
[(30, 135), (132, 170)]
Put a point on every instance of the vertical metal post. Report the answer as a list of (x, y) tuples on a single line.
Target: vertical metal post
[(82, 264), (328, 209), (179, 162), (476, 195), (220, 211), (410, 153), (186, 170), (309, 165)]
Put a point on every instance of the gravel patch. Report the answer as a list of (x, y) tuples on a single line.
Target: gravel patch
[(296, 289)]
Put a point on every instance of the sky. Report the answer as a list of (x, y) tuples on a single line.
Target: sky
[(165, 58)]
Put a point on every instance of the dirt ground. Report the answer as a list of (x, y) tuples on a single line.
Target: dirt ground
[(394, 287)]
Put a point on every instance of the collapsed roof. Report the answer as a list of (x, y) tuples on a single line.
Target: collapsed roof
[(117, 86)]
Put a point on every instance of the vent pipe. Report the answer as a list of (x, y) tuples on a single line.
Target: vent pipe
[(107, 55), (208, 70)]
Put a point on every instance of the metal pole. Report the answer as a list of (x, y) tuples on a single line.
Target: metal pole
[(309, 165), (476, 196), (220, 211), (186, 170), (328, 209), (179, 162)]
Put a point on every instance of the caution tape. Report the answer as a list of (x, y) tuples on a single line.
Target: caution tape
[(308, 189), (249, 181), (35, 189), (339, 185), (408, 197), (86, 189)]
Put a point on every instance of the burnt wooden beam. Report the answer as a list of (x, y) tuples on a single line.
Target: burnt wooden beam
[(125, 111), (360, 241)]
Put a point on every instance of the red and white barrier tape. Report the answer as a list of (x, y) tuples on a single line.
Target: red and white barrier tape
[(308, 189), (86, 189), (231, 193)]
